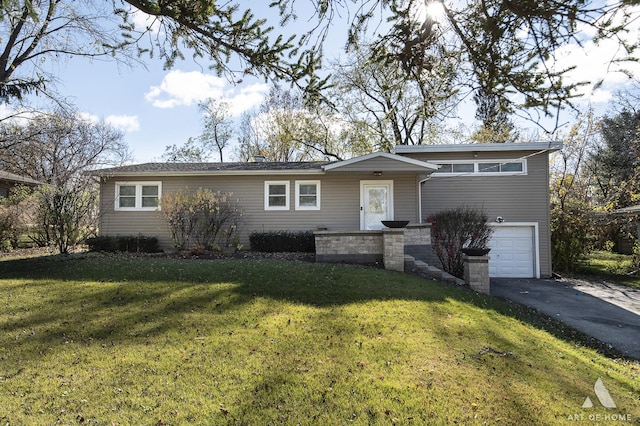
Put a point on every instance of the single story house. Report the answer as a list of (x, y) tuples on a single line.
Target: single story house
[(510, 181)]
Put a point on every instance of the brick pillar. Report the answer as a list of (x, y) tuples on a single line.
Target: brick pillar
[(393, 249), (476, 273)]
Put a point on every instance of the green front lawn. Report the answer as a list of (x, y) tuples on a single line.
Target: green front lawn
[(119, 340)]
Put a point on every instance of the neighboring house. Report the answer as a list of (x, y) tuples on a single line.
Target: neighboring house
[(510, 181), (9, 180)]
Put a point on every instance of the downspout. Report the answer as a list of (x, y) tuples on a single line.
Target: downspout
[(420, 183)]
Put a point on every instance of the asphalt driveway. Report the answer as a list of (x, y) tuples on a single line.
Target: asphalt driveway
[(608, 312)]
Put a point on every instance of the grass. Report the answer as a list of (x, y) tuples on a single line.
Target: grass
[(612, 267), (122, 340)]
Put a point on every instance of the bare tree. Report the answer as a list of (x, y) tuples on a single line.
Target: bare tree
[(217, 125), (286, 128), (58, 149), (399, 108), (190, 152)]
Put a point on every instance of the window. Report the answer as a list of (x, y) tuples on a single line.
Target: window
[(276, 195), (308, 195), (508, 167), (138, 195)]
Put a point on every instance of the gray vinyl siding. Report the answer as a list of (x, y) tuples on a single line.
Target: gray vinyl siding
[(340, 203), (516, 198)]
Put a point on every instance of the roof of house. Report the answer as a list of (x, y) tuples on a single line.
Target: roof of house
[(10, 177), (480, 147), (378, 161), (163, 169), (381, 161)]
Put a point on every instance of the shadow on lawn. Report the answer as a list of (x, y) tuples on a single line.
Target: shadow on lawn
[(121, 300), (157, 291)]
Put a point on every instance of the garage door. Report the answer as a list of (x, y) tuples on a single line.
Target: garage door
[(512, 252)]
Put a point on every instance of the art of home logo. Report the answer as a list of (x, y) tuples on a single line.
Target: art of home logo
[(605, 399), (603, 396)]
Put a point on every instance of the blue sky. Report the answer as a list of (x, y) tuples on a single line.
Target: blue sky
[(156, 108)]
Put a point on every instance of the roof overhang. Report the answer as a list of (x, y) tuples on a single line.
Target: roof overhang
[(480, 147), (110, 173), (629, 211), (381, 162), (10, 177)]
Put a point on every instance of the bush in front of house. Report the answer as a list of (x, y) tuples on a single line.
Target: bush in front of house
[(282, 241), (202, 218), (458, 228), (124, 243)]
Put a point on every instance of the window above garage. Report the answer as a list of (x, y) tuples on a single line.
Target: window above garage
[(482, 167)]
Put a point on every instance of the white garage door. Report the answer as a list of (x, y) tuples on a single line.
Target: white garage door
[(512, 252)]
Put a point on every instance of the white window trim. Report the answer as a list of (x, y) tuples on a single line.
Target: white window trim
[(138, 202), (286, 191), (308, 182), (476, 172)]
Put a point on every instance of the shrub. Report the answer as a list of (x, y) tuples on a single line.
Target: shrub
[(202, 218), (124, 243), (278, 241), (455, 229), (571, 239), (13, 216)]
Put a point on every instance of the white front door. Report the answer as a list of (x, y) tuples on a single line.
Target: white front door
[(376, 203)]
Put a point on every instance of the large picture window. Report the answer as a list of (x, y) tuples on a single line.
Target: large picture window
[(138, 195), (276, 195), (308, 195)]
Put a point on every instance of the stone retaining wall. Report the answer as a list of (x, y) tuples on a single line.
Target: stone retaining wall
[(349, 246), (387, 246), (417, 243)]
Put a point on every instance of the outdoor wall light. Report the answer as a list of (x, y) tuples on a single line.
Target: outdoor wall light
[(377, 173), (499, 219)]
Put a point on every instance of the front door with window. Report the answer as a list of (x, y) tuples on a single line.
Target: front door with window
[(376, 203)]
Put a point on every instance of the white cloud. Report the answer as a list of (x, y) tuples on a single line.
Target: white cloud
[(249, 97), (179, 88), (91, 118), (142, 21), (125, 123)]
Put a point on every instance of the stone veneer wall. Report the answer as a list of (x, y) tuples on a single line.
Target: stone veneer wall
[(393, 247), (349, 246), (417, 243), (387, 246), (476, 273)]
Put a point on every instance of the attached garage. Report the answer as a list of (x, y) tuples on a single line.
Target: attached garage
[(514, 251)]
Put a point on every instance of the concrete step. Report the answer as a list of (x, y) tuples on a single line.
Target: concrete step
[(448, 278), (421, 265), (434, 272)]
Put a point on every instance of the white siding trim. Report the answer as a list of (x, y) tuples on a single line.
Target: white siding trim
[(138, 196), (318, 191), (287, 193)]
